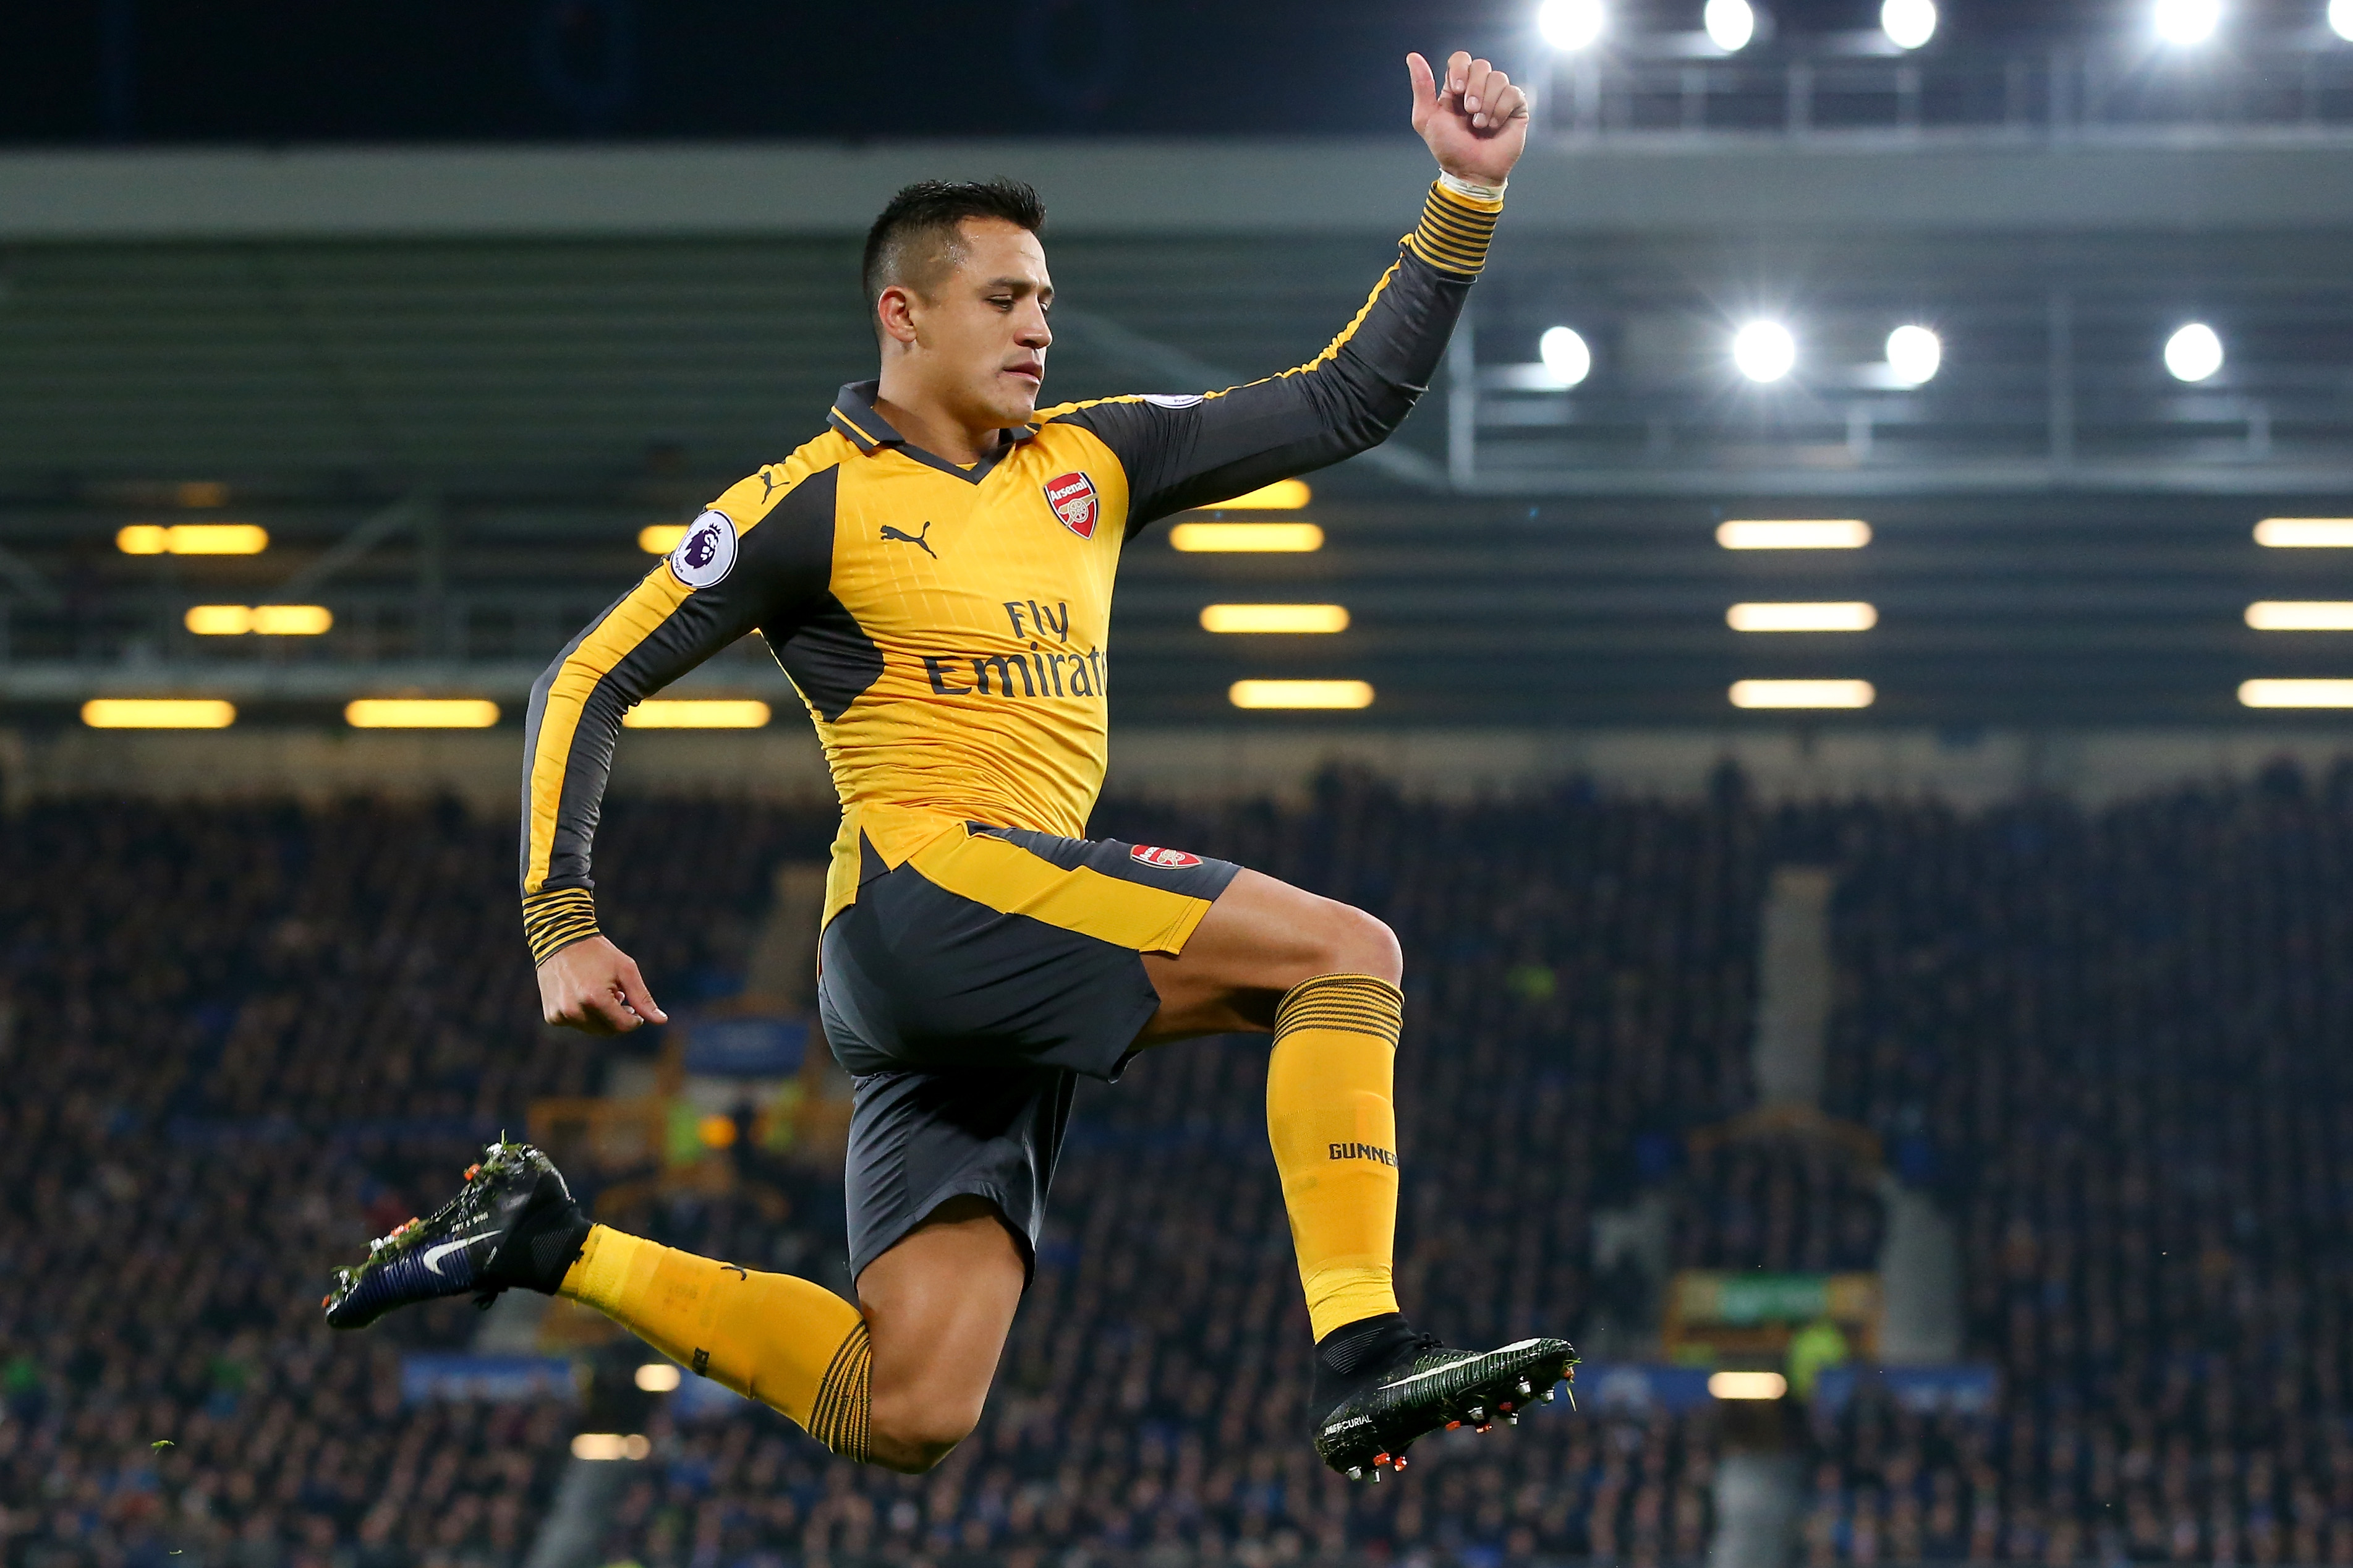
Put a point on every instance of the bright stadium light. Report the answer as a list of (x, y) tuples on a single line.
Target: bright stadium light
[(1571, 24), (1764, 351), (659, 1377), (2187, 22), (158, 713), (1908, 24), (1847, 615), (1300, 694), (262, 619), (1266, 618), (1246, 539), (1803, 695), (420, 713), (1795, 534), (1915, 355), (2340, 19), (1566, 358), (2305, 532), (2193, 353), (661, 538), (2301, 615), (1747, 1386), (607, 1446), (191, 539), (1730, 23), (2296, 693)]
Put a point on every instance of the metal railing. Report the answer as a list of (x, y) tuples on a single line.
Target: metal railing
[(1853, 86)]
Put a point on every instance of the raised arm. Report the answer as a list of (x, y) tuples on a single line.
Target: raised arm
[(760, 557), (1189, 451)]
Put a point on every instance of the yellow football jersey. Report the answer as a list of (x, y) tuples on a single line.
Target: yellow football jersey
[(950, 628)]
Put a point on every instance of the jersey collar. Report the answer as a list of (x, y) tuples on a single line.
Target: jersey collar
[(855, 416)]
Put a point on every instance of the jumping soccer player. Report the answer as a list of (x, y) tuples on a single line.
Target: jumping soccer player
[(935, 573)]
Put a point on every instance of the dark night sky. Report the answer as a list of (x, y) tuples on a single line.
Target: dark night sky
[(86, 71)]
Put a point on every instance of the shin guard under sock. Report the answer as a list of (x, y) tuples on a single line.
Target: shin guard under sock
[(1333, 1126), (794, 1346)]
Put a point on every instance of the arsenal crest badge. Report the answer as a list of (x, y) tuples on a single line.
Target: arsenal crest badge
[(1072, 497)]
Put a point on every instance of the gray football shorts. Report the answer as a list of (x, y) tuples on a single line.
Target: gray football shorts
[(965, 993)]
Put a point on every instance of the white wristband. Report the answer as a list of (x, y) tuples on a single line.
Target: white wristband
[(1476, 192)]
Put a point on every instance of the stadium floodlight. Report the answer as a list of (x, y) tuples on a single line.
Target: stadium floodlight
[(1246, 539), (1566, 357), (2305, 533), (2187, 22), (2296, 693), (1747, 1386), (158, 713), (659, 1377), (1908, 24), (2301, 615), (1764, 351), (2193, 353), (1915, 355), (698, 713), (2340, 19), (1795, 534), (1850, 615), (1803, 695), (1266, 618), (1282, 496), (1730, 23), (191, 539), (1301, 694), (421, 713), (661, 538), (1571, 24)]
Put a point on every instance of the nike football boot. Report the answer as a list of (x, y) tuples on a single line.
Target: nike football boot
[(1391, 1385), (512, 1224)]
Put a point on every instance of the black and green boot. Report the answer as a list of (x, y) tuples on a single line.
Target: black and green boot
[(1380, 1385), (514, 1223)]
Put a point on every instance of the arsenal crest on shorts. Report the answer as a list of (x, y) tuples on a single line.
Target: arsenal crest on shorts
[(1072, 497)]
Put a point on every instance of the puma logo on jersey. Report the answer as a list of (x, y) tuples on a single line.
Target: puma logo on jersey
[(899, 536)]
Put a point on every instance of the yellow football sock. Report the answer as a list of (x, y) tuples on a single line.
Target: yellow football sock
[(1333, 1124), (795, 1346)]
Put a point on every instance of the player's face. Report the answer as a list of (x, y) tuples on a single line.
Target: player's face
[(986, 334)]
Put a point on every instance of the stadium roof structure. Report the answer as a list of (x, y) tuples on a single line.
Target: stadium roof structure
[(454, 385)]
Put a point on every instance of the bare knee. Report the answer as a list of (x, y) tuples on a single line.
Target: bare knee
[(912, 1433), (1347, 942)]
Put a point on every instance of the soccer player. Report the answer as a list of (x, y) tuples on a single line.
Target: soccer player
[(935, 573)]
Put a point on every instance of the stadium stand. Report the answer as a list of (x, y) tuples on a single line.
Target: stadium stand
[(2105, 1037), (239, 1041), (2094, 1033)]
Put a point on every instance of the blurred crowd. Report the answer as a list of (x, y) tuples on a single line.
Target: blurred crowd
[(1780, 1203), (242, 1040), (2113, 1041), (238, 1042)]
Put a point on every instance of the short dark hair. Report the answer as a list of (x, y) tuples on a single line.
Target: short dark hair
[(913, 243)]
